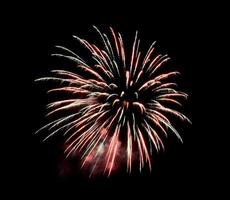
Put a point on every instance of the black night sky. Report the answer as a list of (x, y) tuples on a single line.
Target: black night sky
[(37, 166)]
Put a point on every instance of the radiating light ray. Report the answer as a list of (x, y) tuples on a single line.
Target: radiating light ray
[(123, 107)]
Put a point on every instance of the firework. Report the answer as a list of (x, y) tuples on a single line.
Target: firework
[(115, 104)]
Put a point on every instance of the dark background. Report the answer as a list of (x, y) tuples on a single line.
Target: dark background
[(178, 171)]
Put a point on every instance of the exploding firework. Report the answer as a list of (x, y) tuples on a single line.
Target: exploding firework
[(114, 105)]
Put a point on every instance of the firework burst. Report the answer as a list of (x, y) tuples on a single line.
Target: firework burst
[(115, 103)]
